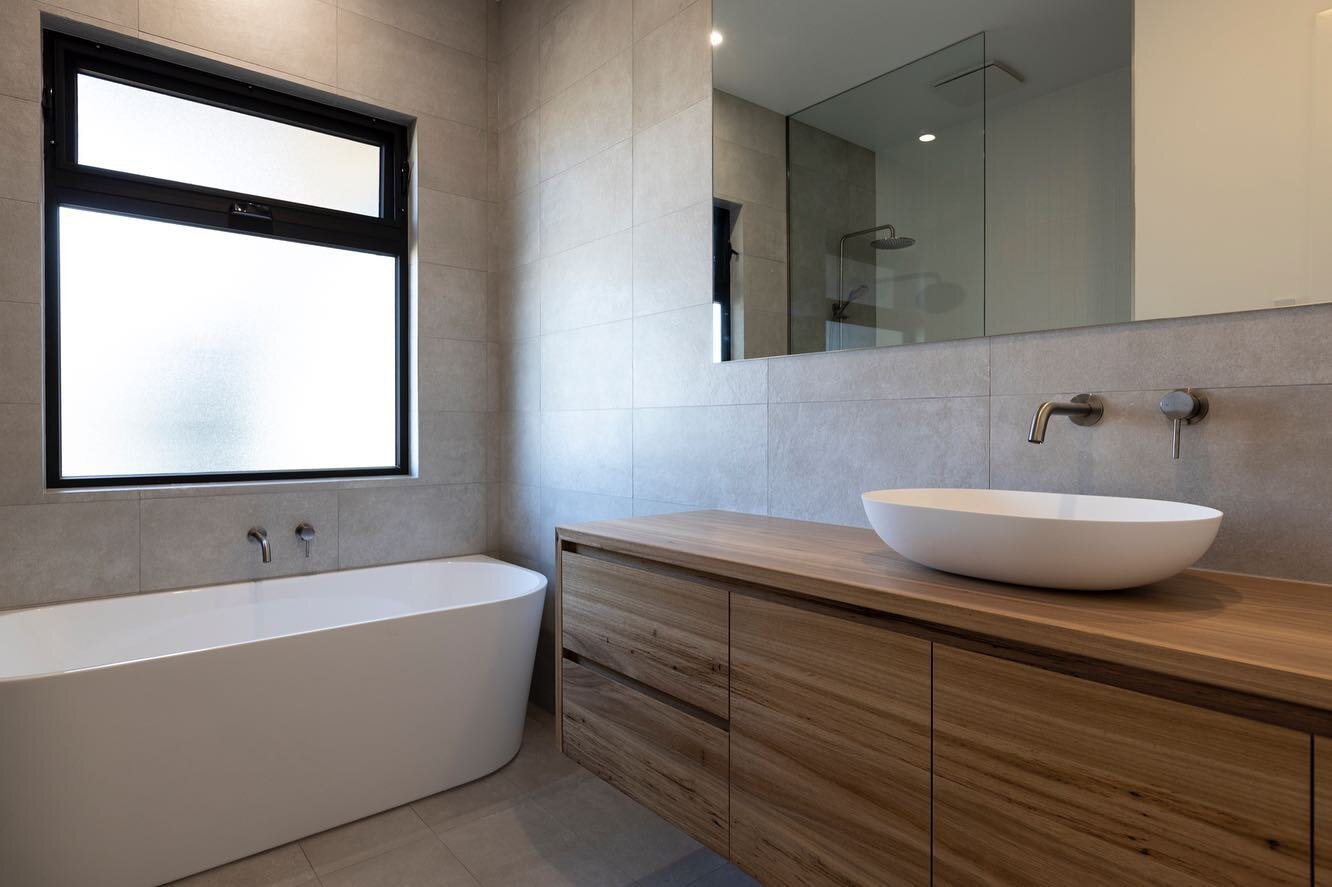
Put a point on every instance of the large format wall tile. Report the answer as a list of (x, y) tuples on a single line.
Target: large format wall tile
[(825, 455), (518, 164), (673, 66), (517, 95), (708, 456), (453, 230), (588, 368), (520, 453), (945, 369), (673, 163), (582, 37), (673, 364), (68, 551), (382, 525), (587, 285), (20, 352), (377, 60), (1276, 347), (457, 23), (21, 479), (20, 50), (451, 375), (21, 147), (201, 540), (588, 201), (1260, 456), (454, 447), (451, 157), (518, 312), (588, 450), (451, 302), (673, 260), (588, 117), (294, 36)]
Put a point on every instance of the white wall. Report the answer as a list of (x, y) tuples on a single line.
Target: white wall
[(1232, 151)]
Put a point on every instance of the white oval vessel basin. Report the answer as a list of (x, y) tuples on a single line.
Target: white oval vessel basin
[(1052, 540)]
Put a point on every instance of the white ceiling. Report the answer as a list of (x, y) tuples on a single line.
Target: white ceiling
[(789, 54)]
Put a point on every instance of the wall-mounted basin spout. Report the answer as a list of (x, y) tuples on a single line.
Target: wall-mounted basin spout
[(260, 535), (1084, 409)]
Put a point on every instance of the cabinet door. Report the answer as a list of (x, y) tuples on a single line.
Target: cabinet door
[(1323, 811), (830, 748), (1045, 779)]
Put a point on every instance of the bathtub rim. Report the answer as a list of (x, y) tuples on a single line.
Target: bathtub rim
[(538, 587)]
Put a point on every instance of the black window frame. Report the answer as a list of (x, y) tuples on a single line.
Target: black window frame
[(69, 184)]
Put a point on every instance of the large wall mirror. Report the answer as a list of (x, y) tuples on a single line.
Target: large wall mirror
[(888, 172)]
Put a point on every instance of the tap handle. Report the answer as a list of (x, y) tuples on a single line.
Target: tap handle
[(1183, 406), (305, 532)]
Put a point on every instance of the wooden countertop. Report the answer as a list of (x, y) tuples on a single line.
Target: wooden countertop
[(1269, 638)]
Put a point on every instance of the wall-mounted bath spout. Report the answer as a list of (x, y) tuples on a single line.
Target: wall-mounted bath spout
[(260, 535), (1084, 409)]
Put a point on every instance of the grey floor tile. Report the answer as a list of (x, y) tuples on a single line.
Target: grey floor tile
[(422, 863), (525, 845), (357, 841), (685, 871), (540, 762), (727, 876), (283, 866), (463, 803)]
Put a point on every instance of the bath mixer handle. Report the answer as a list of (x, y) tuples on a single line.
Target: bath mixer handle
[(305, 532)]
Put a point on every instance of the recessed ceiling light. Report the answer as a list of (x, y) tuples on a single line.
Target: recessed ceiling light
[(926, 136), (716, 38)]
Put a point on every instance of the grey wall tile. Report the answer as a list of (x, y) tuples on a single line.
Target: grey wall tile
[(411, 72), (672, 260), (519, 374), (20, 352), (646, 507), (652, 14), (763, 232), (519, 165), (748, 125), (517, 22), (710, 456), (825, 455), (20, 454), (588, 450), (452, 230), (21, 259), (457, 23), (20, 50), (517, 232), (673, 163), (451, 157), (518, 293), (1259, 456), (588, 201), (520, 523), (673, 66), (381, 525), (748, 177), (673, 364), (582, 37), (944, 369), (451, 302), (520, 448), (21, 146), (1275, 347), (587, 285), (68, 551), (588, 117), (454, 447), (200, 540), (566, 507), (588, 368), (119, 12), (449, 376), (517, 95), (298, 37)]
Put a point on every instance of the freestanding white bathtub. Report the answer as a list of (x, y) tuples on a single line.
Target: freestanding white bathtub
[(145, 738)]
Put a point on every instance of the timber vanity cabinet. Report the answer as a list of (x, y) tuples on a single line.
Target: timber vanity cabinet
[(819, 711)]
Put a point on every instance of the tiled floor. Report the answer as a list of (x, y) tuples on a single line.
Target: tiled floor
[(540, 821)]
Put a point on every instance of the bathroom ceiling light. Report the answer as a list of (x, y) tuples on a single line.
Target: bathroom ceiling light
[(926, 136), (716, 38)]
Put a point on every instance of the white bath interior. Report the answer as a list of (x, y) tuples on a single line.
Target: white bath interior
[(150, 737)]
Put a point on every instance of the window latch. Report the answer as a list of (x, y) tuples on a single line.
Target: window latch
[(248, 210)]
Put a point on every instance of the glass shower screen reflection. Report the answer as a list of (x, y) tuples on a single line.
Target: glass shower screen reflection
[(906, 150), (174, 364)]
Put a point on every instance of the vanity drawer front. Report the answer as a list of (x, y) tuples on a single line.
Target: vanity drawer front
[(674, 764), (663, 631)]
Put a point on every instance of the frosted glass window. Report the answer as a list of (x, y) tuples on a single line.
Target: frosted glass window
[(149, 133), (187, 350)]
